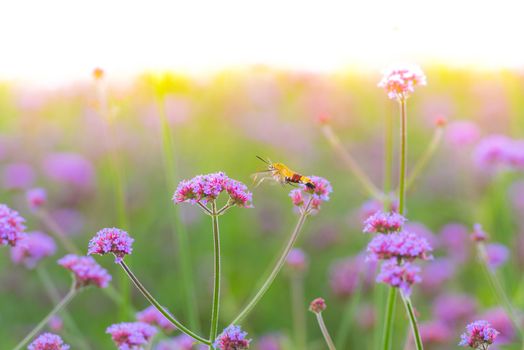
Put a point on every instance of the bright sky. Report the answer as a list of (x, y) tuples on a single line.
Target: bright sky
[(53, 41)]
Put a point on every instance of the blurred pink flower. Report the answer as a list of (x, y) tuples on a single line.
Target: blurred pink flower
[(36, 197), (55, 323), (462, 133), (455, 239), (435, 332), (18, 176), (454, 309), (70, 168), (501, 322), (269, 342), (71, 221), (297, 260), (32, 248), (497, 254), (435, 273)]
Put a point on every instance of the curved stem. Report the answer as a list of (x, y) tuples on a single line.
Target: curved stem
[(403, 156), (67, 298), (325, 331), (278, 266), (412, 321), (424, 159), (298, 306), (57, 231), (216, 289), (388, 320), (204, 208), (350, 162), (159, 307)]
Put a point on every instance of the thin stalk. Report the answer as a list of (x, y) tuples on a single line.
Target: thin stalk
[(67, 298), (325, 331), (423, 161), (412, 321), (278, 266), (348, 316), (388, 319), (388, 161), (216, 287), (70, 247), (55, 298), (351, 163), (498, 290), (178, 230), (298, 304), (403, 156), (159, 307), (57, 231)]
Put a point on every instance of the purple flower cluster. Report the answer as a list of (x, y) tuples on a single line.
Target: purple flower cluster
[(499, 151), (479, 335), (232, 338), (11, 226), (381, 222), (399, 82), (402, 245), (207, 188), (32, 248), (297, 260), (401, 276), (36, 198), (111, 240), (317, 305), (131, 336), (300, 197), (152, 316), (497, 254), (48, 341), (87, 272)]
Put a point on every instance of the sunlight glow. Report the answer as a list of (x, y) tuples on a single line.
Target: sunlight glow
[(58, 40)]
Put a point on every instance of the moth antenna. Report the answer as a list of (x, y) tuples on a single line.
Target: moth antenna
[(262, 159)]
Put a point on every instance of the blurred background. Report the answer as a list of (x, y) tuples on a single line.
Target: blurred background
[(193, 88)]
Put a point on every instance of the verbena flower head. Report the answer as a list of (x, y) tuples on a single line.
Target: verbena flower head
[(499, 319), (399, 82), (48, 341), (32, 248), (36, 198), (131, 336), (403, 245), (111, 240), (381, 222), (152, 316), (478, 235), (297, 260), (300, 197), (497, 254), (180, 342), (11, 226), (317, 305), (86, 271), (399, 276), (478, 335), (232, 338), (207, 188), (55, 323)]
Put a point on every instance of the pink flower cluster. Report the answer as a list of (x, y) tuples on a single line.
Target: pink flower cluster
[(297, 260), (131, 336), (232, 338), (381, 222), (32, 248), (399, 82), (48, 341), (499, 151), (479, 335), (111, 240), (300, 197), (86, 271), (403, 245), (207, 188), (11, 226), (401, 276), (152, 316), (36, 198), (317, 305)]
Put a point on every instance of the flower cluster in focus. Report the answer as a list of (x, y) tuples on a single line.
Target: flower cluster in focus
[(305, 195), (232, 338), (400, 82), (86, 271), (11, 226), (32, 248), (48, 341), (479, 335), (111, 240), (131, 336)]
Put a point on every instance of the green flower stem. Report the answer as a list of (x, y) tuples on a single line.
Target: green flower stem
[(159, 307), (388, 161), (55, 298), (498, 290), (349, 315), (423, 161), (67, 298), (216, 286), (71, 248), (403, 156), (178, 230), (325, 331), (412, 321), (298, 305), (278, 266), (388, 319), (351, 163)]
